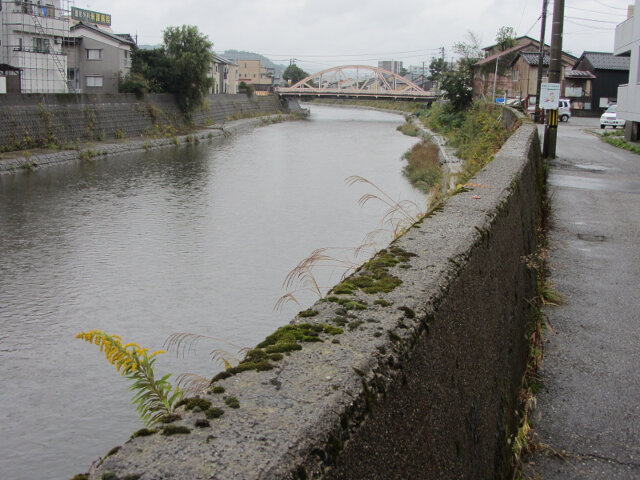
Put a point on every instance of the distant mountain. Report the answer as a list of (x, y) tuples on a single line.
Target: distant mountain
[(149, 47), (237, 55)]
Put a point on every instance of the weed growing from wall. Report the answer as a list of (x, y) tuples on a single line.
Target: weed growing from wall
[(154, 398)]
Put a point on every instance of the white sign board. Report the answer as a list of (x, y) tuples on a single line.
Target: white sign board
[(550, 96), (573, 91), (3, 85)]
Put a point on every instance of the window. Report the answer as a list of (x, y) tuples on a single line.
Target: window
[(515, 76), (94, 54), (94, 81), (40, 45)]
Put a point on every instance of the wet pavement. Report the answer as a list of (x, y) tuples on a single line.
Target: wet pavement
[(588, 413)]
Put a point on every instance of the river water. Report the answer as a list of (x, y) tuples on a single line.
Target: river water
[(195, 239)]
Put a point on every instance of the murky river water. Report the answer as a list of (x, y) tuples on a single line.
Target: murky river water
[(196, 239)]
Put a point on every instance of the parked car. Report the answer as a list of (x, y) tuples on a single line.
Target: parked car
[(564, 109), (610, 118)]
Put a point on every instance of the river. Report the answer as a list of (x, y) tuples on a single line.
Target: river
[(194, 239)]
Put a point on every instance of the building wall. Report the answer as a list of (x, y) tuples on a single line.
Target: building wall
[(605, 86), (252, 71), (249, 71), (391, 65), (32, 41), (115, 61), (628, 43)]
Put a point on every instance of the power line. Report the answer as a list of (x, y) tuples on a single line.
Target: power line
[(532, 26), (289, 55), (591, 27), (599, 12), (609, 6), (591, 20)]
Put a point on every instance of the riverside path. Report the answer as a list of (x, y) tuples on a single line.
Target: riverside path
[(588, 413)]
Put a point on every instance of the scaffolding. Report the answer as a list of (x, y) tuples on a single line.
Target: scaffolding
[(33, 35)]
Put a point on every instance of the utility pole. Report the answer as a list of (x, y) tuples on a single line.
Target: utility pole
[(555, 70), (541, 59)]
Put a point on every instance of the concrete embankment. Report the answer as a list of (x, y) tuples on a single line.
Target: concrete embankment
[(423, 381), (39, 158), (87, 127), (29, 121)]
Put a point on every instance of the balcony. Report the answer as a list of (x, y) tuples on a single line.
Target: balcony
[(624, 37)]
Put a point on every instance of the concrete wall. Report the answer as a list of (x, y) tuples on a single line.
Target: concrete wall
[(30, 120), (424, 380)]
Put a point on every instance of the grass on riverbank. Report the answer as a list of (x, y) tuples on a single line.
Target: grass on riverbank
[(416, 108), (409, 128), (423, 168), (477, 133), (616, 138)]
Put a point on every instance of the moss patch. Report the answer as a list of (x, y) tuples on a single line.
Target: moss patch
[(175, 430), (232, 402), (374, 276), (144, 432), (191, 403), (408, 312), (284, 340), (214, 413)]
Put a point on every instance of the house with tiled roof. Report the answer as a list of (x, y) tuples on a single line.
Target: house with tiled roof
[(495, 69), (609, 72), (524, 73), (514, 71)]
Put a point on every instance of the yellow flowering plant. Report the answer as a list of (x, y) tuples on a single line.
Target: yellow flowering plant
[(154, 398)]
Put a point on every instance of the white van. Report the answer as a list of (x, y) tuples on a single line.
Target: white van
[(564, 109)]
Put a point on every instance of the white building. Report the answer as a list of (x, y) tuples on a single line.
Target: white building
[(627, 43), (225, 75), (31, 36)]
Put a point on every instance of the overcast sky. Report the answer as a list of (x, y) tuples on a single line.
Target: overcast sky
[(325, 33)]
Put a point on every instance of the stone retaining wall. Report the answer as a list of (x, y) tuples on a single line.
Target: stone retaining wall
[(424, 380), (36, 120)]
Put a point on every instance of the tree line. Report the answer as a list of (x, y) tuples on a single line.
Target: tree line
[(180, 66)]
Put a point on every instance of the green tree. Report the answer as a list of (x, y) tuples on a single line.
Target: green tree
[(294, 74), (457, 85), (190, 56), (154, 67), (506, 38)]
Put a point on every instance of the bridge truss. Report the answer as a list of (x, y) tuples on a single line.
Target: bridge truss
[(356, 81)]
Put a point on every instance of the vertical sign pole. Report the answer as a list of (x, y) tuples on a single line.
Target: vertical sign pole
[(555, 69), (540, 60)]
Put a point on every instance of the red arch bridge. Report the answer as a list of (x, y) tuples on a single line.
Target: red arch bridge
[(357, 81)]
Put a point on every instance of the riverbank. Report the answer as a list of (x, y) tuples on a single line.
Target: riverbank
[(26, 160), (394, 378), (195, 239)]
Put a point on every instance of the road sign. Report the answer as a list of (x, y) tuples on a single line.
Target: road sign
[(550, 96)]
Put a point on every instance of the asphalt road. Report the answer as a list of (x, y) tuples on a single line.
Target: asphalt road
[(588, 413)]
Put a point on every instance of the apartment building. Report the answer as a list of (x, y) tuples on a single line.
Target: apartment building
[(97, 59), (31, 37), (225, 75), (254, 73), (392, 65)]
